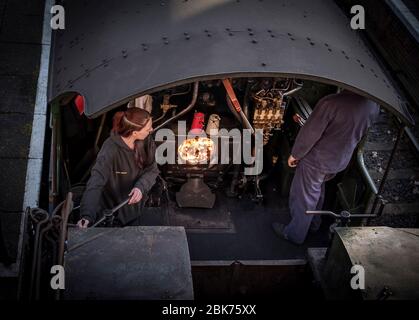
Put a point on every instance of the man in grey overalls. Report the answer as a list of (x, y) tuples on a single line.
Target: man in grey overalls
[(323, 148)]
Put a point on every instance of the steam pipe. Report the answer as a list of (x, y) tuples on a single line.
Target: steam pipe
[(160, 118), (184, 111), (236, 104), (246, 100), (236, 115), (364, 171), (292, 91), (390, 162), (300, 86)]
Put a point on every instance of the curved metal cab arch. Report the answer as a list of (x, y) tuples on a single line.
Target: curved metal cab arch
[(112, 51)]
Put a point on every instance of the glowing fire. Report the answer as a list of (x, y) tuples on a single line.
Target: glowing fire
[(197, 150)]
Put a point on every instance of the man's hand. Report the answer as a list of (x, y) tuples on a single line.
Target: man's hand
[(83, 223), (136, 196), (292, 162)]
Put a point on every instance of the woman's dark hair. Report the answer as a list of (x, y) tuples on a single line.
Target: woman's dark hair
[(135, 119)]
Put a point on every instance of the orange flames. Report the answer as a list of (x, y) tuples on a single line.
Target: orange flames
[(196, 150)]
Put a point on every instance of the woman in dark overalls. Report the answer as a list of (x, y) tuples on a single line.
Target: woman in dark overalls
[(125, 167)]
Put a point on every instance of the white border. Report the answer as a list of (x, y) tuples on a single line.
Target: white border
[(35, 158)]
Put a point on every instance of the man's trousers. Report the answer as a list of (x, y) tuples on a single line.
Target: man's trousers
[(306, 194)]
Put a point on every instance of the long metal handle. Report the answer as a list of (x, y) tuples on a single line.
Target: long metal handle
[(115, 209), (343, 215), (324, 213), (119, 206)]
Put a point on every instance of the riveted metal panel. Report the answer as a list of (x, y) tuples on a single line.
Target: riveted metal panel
[(112, 51), (390, 258), (131, 263)]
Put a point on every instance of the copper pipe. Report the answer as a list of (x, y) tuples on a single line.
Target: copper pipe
[(184, 111)]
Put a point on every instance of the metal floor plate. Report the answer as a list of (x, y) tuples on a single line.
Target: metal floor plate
[(132, 263)]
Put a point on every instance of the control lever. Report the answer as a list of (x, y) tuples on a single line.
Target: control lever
[(343, 218), (109, 214)]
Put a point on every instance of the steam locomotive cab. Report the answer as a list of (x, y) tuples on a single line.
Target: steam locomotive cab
[(229, 84), (219, 167)]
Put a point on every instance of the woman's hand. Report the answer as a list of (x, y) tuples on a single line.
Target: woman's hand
[(136, 196), (292, 162), (83, 223)]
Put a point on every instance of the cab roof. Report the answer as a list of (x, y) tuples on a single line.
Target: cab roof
[(113, 51)]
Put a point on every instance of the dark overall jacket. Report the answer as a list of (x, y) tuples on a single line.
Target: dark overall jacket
[(334, 129), (113, 176)]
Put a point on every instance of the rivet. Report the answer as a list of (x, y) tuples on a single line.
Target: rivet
[(263, 64), (254, 41)]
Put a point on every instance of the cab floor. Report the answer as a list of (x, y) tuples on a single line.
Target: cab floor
[(240, 229)]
